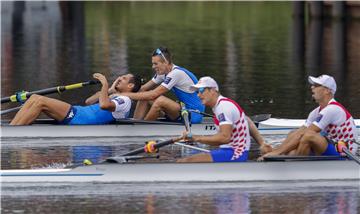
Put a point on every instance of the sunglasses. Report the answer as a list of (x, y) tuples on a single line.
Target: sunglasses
[(160, 53)]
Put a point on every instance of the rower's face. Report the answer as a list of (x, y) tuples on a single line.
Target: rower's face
[(159, 65), (123, 82), (318, 91), (205, 96)]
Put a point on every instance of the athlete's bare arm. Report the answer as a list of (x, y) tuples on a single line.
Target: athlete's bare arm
[(220, 138)]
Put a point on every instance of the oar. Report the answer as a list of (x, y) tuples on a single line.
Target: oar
[(185, 116), (192, 147), (155, 146), (255, 118), (22, 96), (200, 112), (10, 110), (260, 117), (348, 153)]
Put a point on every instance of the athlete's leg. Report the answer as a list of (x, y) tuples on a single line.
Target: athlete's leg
[(164, 104), (142, 107), (290, 143), (312, 141), (35, 105), (198, 158)]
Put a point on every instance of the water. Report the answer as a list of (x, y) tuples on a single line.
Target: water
[(33, 153), (308, 197), (257, 52)]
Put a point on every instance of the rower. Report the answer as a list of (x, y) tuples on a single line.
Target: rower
[(151, 100), (101, 108), (325, 126), (233, 126)]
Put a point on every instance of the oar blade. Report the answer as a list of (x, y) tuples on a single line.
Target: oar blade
[(260, 117)]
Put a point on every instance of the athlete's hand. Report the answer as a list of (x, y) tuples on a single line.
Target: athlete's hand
[(339, 146), (101, 78), (265, 148), (272, 153), (112, 89), (187, 137)]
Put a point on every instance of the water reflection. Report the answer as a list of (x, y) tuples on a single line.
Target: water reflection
[(183, 198), (22, 154)]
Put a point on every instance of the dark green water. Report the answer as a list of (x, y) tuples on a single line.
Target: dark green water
[(259, 54), (256, 51)]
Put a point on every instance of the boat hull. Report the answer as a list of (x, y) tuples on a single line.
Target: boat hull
[(192, 172), (271, 126)]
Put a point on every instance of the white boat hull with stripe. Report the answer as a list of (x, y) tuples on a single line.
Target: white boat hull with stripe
[(192, 172), (272, 126)]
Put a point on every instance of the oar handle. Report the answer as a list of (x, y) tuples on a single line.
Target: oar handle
[(185, 116), (22, 96)]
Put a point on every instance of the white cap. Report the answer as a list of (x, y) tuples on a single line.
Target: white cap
[(324, 80), (205, 82)]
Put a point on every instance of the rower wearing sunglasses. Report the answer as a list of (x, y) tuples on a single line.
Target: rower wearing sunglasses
[(234, 127), (168, 76)]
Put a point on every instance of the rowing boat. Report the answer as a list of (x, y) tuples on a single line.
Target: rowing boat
[(130, 128), (192, 172), (278, 126)]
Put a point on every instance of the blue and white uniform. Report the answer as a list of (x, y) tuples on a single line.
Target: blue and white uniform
[(179, 80), (93, 114)]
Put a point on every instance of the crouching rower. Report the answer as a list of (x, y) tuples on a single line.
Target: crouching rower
[(326, 126), (233, 126), (101, 108), (151, 100)]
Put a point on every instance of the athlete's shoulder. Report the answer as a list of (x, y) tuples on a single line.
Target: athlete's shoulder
[(121, 98), (332, 109), (226, 104)]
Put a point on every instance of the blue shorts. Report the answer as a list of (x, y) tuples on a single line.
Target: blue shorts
[(330, 150), (225, 155), (87, 115)]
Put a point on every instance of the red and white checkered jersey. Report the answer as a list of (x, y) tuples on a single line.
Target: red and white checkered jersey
[(337, 122), (227, 111)]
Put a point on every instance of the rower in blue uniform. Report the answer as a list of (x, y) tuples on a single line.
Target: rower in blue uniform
[(151, 100), (103, 107)]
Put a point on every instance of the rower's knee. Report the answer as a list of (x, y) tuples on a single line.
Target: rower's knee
[(308, 138), (37, 100), (159, 102)]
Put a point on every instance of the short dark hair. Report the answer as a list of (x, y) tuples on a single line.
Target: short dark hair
[(137, 81), (165, 52)]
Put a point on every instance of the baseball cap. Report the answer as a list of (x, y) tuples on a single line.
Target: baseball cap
[(205, 82), (324, 80)]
